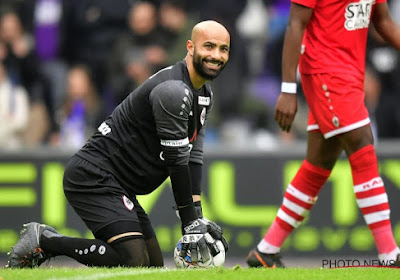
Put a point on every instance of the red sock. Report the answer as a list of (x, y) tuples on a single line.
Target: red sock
[(372, 198), (299, 198)]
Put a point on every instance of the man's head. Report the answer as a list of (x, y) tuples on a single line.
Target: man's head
[(208, 51), (142, 18)]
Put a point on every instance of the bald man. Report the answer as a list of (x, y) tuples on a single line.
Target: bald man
[(156, 132)]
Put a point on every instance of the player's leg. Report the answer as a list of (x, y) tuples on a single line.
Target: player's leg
[(152, 245), (133, 252), (140, 252), (154, 250), (39, 243), (128, 240), (107, 211), (299, 198), (128, 250), (370, 191)]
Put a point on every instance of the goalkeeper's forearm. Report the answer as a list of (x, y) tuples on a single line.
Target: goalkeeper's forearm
[(181, 187)]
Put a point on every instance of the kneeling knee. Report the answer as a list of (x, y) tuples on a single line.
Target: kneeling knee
[(133, 253), (139, 260)]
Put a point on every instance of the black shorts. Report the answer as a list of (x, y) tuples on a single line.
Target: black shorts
[(105, 207)]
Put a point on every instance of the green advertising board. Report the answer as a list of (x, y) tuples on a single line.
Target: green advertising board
[(241, 192)]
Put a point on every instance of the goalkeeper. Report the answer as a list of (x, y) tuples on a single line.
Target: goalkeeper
[(156, 132)]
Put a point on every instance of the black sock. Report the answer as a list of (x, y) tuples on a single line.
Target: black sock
[(91, 252)]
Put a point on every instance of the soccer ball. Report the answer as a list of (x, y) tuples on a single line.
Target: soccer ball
[(217, 260)]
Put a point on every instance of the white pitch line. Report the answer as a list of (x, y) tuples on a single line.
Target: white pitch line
[(103, 275)]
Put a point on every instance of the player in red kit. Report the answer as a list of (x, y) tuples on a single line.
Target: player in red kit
[(327, 39)]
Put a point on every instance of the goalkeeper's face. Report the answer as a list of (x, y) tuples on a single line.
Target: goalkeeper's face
[(210, 49), (207, 66)]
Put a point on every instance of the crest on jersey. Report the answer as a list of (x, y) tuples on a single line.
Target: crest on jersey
[(127, 202), (203, 116), (335, 121)]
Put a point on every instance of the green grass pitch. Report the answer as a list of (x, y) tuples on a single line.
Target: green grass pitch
[(234, 273)]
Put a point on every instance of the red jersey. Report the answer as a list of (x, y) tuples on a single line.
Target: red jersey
[(336, 36)]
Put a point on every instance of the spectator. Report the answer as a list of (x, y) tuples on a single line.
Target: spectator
[(92, 27), (82, 111), (23, 69), (14, 112), (20, 60), (47, 21), (176, 25), (137, 53)]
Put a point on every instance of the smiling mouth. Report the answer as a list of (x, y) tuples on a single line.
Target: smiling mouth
[(213, 64)]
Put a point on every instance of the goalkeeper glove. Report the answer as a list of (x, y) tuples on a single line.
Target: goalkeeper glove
[(194, 240), (215, 230)]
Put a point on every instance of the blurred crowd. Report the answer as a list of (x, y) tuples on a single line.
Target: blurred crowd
[(65, 64)]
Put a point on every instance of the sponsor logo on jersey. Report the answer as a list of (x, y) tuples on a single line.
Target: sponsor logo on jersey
[(203, 116), (358, 15), (203, 100), (127, 202)]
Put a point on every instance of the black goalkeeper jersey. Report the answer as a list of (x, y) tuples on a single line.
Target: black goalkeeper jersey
[(159, 125)]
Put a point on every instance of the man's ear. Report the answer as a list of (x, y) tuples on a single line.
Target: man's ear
[(190, 47)]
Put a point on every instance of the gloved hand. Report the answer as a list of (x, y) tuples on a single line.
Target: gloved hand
[(216, 232), (196, 240)]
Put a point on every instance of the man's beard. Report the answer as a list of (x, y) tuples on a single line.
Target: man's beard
[(206, 73)]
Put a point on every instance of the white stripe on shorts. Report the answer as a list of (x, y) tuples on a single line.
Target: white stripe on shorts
[(347, 128)]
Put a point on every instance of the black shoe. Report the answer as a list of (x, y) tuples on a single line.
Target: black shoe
[(27, 251), (258, 259)]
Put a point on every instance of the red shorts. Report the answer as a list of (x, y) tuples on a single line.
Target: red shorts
[(336, 103)]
